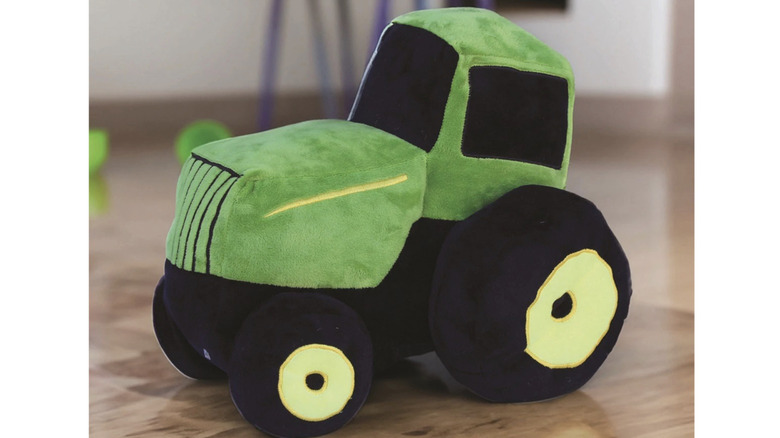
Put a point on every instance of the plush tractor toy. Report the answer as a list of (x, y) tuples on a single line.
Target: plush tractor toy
[(305, 259)]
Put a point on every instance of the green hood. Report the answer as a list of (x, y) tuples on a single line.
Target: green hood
[(271, 207)]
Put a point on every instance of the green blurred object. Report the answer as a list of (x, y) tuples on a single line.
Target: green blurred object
[(98, 195), (98, 149), (199, 133)]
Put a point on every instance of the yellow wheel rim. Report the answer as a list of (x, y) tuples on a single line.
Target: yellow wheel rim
[(338, 377), (566, 342)]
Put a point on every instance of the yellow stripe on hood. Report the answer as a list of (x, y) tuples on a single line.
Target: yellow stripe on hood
[(341, 192)]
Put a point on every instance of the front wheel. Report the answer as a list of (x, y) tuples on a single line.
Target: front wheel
[(529, 296), (301, 365), (175, 346)]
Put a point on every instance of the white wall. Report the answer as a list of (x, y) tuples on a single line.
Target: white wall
[(141, 49), (616, 47), (150, 49)]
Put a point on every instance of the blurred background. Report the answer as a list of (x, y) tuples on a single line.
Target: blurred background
[(156, 66), (164, 61)]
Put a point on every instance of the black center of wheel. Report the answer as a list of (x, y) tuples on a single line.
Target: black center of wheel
[(315, 381), (562, 306)]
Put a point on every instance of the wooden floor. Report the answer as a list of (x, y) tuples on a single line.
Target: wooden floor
[(643, 183)]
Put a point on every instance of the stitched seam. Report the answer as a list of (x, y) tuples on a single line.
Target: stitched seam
[(194, 216), (538, 296), (324, 381), (467, 54), (481, 156), (187, 212), (290, 357), (174, 230), (374, 185), (202, 217), (217, 165), (177, 225), (573, 308), (481, 60), (214, 223)]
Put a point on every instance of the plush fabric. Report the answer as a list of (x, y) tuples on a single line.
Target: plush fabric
[(208, 310), (458, 185), (231, 323), (177, 348), (268, 336), (205, 187), (406, 85), (270, 207), (516, 115), (568, 341), (481, 32), (490, 272), (433, 219)]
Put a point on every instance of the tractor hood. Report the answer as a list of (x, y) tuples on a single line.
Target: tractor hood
[(319, 204)]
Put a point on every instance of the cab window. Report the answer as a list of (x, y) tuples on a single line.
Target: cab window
[(516, 115), (406, 85)]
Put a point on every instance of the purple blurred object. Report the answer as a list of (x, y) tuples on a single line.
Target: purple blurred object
[(347, 60), (380, 21), (321, 58), (265, 102), (486, 4)]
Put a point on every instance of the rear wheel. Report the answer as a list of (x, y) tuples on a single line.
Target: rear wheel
[(529, 296), (175, 346), (301, 365)]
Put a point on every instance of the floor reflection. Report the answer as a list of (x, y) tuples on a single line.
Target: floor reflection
[(412, 399), (98, 195)]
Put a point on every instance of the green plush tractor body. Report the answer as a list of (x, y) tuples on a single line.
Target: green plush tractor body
[(305, 259)]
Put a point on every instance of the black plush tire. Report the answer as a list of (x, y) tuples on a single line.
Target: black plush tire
[(301, 365), (497, 284), (175, 346)]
